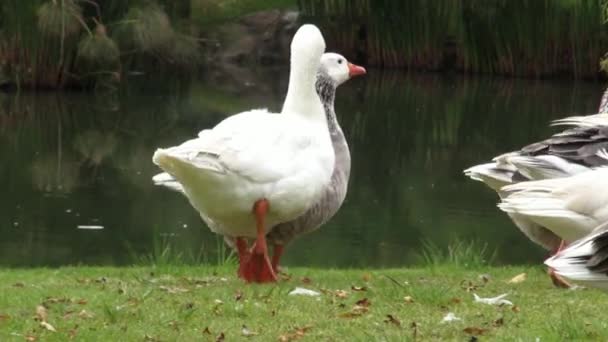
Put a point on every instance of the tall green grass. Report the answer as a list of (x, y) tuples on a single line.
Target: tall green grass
[(514, 38), (467, 254)]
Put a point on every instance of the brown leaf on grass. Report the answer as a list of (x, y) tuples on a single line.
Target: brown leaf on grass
[(469, 286), (414, 326), (341, 294), (393, 320), (408, 299), (4, 317), (246, 332), (206, 331), (18, 285), (84, 314), (238, 295), (221, 337), (474, 330), (363, 302), (68, 314), (366, 277), (31, 338), (54, 300), (72, 332), (295, 334), (358, 288), (174, 325), (498, 322), (41, 313), (456, 300), (306, 280), (82, 301), (47, 326), (517, 279), (357, 311), (515, 308), (83, 280)]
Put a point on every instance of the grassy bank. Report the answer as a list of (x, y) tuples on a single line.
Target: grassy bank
[(209, 303)]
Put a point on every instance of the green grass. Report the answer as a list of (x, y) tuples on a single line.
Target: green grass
[(188, 303)]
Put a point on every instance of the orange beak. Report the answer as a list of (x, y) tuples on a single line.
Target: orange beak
[(355, 70)]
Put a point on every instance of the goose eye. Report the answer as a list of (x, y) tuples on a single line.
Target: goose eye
[(340, 61)]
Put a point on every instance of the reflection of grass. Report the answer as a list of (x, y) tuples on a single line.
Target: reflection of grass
[(192, 303)]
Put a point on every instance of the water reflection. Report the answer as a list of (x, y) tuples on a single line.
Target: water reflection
[(83, 159)]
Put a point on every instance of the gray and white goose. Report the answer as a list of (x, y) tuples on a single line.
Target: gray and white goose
[(334, 70)]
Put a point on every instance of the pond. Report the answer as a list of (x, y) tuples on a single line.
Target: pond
[(77, 167)]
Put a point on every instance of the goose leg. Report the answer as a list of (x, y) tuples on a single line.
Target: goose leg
[(259, 268), (244, 256), (557, 280), (276, 256)]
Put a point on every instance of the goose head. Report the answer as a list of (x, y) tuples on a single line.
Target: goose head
[(338, 68)]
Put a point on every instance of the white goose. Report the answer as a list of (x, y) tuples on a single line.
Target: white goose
[(569, 207), (257, 169), (333, 71), (586, 260)]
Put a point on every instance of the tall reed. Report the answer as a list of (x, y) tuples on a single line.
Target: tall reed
[(515, 38), (60, 43)]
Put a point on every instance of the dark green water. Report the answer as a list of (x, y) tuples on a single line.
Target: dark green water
[(84, 159)]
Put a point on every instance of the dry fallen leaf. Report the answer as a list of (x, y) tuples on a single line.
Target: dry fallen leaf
[(207, 331), (47, 326), (85, 314), (515, 308), (341, 294), (366, 277), (18, 285), (31, 338), (498, 322), (297, 333), (456, 300), (306, 280), (357, 311), (408, 299), (474, 330), (4, 317), (363, 302), (221, 337), (41, 313), (238, 295), (518, 279), (358, 288), (391, 319), (82, 301), (72, 332)]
